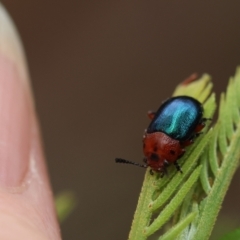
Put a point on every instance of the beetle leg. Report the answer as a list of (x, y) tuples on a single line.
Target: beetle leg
[(182, 153), (163, 172), (198, 129), (151, 114), (201, 124), (166, 163), (190, 140), (187, 142), (197, 134), (178, 167)]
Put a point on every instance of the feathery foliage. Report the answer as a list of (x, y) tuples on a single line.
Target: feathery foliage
[(185, 206)]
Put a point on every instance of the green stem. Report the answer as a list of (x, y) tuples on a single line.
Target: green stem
[(142, 215)]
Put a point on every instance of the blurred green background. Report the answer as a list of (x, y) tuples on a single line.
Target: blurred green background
[(97, 67)]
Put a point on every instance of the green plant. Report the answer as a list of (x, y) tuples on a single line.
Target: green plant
[(65, 203), (233, 235), (185, 206)]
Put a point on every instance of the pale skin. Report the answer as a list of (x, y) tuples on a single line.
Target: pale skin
[(26, 200)]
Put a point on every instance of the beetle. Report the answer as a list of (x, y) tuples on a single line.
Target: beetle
[(174, 126)]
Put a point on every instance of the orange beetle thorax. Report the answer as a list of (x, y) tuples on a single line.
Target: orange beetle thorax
[(159, 147)]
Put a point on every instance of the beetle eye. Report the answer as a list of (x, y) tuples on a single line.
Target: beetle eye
[(172, 152), (154, 157)]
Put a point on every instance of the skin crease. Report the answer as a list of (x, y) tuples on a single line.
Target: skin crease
[(26, 200)]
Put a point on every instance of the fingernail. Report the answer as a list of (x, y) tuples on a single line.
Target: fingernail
[(15, 107)]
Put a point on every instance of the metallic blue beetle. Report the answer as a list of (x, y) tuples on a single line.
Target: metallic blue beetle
[(173, 127), (177, 117)]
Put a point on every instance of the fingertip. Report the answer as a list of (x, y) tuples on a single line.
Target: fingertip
[(23, 174)]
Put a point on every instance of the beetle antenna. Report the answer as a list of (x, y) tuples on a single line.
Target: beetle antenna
[(120, 160)]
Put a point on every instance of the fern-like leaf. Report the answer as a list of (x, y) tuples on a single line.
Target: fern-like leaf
[(223, 160), (187, 204)]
